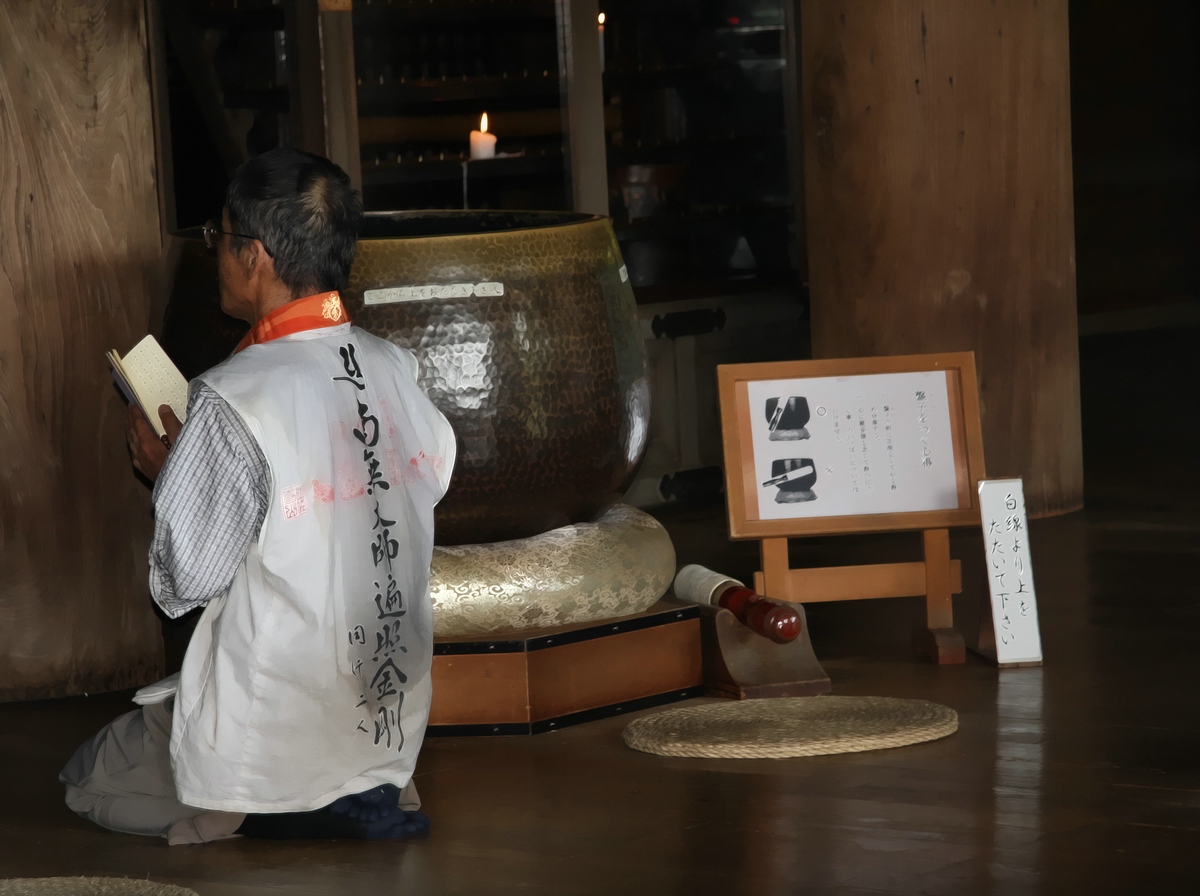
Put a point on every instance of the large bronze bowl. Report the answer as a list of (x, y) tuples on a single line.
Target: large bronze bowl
[(543, 379)]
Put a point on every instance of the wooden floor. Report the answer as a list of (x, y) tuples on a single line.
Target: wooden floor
[(1079, 777)]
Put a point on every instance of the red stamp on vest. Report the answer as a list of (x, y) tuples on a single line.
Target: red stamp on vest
[(294, 502), (321, 492), (349, 485), (413, 472), (387, 418), (393, 461), (421, 465)]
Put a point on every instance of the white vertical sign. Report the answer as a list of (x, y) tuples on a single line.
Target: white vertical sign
[(1010, 573)]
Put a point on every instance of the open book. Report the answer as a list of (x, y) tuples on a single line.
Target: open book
[(148, 378)]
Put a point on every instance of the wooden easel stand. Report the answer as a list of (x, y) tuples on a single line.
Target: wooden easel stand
[(936, 578)]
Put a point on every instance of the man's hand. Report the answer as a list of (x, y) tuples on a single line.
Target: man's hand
[(148, 451)]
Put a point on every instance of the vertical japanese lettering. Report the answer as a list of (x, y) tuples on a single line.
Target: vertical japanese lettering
[(380, 678)]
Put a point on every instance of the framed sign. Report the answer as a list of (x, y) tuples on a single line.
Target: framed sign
[(851, 445)]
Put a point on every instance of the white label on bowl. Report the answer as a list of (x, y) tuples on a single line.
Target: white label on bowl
[(393, 294), (489, 289), (624, 273)]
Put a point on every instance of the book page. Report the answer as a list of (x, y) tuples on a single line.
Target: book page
[(155, 380), (122, 381)]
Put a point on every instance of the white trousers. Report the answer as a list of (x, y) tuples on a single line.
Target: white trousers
[(121, 779)]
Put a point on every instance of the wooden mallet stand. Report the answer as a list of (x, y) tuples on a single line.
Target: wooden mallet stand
[(936, 576)]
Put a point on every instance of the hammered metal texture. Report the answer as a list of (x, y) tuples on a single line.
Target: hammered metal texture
[(617, 566), (545, 386)]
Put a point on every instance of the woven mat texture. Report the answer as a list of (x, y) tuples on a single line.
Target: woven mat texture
[(88, 886), (781, 728)]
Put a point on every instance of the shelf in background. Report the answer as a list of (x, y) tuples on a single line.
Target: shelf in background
[(668, 76), (682, 223), (506, 124), (463, 89), (451, 170), (386, 12)]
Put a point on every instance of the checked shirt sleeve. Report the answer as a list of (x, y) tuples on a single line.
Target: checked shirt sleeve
[(210, 501)]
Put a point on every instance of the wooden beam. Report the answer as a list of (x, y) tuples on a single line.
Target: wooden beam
[(340, 87), (793, 90), (306, 90), (81, 261), (939, 610), (940, 211), (828, 583), (164, 160), (580, 81)]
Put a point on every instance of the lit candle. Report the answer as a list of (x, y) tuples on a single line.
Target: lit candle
[(600, 20), (483, 144)]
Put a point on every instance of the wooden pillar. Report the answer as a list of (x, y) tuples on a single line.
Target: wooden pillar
[(581, 86), (939, 208), (306, 84), (80, 259), (340, 87)]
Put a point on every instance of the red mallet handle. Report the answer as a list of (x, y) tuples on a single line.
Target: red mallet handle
[(772, 619)]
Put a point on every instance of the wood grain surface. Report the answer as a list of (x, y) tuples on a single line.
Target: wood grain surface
[(939, 208), (81, 262), (588, 674), (479, 689), (542, 682)]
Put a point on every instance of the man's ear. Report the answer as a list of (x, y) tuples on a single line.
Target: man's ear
[(251, 252), (264, 264), (253, 255)]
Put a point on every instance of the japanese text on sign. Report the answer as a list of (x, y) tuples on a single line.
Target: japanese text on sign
[(1010, 574)]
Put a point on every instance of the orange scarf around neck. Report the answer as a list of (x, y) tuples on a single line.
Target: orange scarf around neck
[(325, 309)]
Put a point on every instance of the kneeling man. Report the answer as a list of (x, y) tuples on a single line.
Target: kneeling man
[(296, 505)]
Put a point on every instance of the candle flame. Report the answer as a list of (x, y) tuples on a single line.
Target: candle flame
[(600, 18), (483, 123)]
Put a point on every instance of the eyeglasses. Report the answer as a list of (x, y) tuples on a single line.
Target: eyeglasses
[(212, 234)]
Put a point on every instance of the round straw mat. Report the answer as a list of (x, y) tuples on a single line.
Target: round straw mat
[(88, 886), (779, 728)]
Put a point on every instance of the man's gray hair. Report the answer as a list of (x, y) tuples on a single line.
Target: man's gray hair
[(303, 210)]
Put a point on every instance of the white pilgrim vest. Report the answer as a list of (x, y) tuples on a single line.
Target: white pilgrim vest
[(309, 679)]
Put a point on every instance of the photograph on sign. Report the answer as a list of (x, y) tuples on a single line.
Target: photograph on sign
[(851, 445)]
